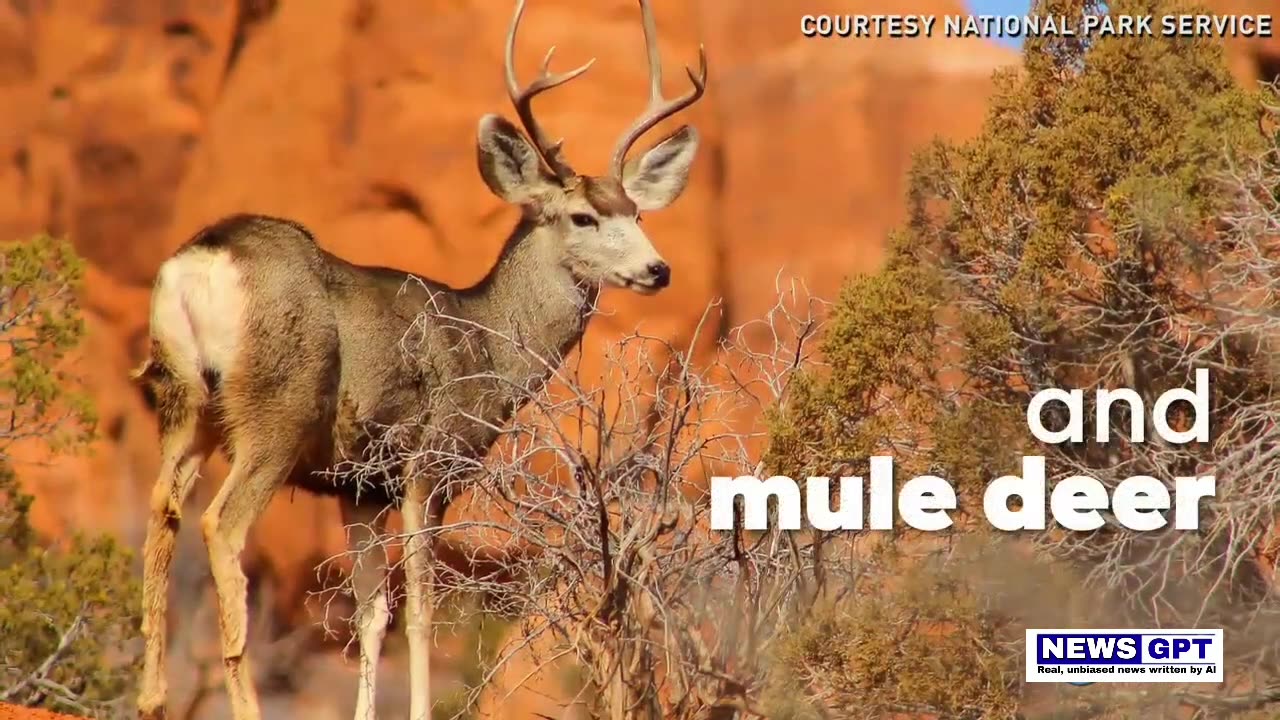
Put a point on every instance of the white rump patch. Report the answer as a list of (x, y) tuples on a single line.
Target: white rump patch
[(197, 312)]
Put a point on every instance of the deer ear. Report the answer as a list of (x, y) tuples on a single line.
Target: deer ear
[(508, 162), (655, 179)]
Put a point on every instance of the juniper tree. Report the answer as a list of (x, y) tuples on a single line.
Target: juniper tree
[(68, 609)]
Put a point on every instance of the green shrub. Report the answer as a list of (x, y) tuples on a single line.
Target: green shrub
[(68, 610)]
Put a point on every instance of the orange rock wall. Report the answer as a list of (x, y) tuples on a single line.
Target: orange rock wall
[(1252, 59)]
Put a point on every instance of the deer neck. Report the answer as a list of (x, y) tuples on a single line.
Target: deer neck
[(530, 300)]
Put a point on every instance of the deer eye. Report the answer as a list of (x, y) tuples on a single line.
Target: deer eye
[(583, 220)]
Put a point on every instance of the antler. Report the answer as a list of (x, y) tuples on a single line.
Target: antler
[(522, 99), (659, 108)]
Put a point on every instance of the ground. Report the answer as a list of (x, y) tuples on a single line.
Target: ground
[(13, 712)]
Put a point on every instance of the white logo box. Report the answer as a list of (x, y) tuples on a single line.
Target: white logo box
[(1083, 656)]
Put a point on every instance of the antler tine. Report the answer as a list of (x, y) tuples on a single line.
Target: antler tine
[(659, 108), (523, 99)]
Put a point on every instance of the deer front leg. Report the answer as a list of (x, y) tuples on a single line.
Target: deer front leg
[(420, 517), (369, 583)]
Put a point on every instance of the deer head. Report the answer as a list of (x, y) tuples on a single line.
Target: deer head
[(596, 219)]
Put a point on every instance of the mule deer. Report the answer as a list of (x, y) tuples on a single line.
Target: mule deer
[(289, 358)]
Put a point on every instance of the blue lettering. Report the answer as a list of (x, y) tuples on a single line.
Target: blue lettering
[(1176, 648), (1158, 648)]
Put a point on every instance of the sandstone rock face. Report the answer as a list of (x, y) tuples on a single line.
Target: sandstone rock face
[(128, 125), (818, 135), (1253, 59)]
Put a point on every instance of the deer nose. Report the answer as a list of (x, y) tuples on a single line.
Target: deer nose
[(661, 274)]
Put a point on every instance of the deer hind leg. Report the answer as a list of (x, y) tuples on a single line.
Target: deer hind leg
[(366, 523), (186, 441), (419, 512), (258, 470)]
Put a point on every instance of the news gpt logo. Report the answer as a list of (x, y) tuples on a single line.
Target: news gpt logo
[(1084, 657)]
